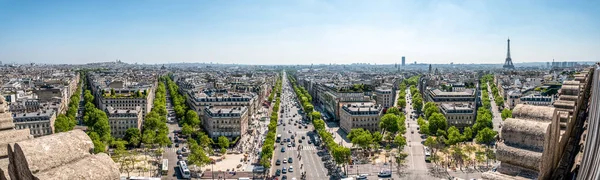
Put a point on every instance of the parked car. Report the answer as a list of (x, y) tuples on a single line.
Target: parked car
[(278, 162)]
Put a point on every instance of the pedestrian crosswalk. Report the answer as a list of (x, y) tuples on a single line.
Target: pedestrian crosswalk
[(309, 147), (171, 149)]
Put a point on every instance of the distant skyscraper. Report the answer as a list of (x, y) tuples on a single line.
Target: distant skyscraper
[(403, 60), (508, 64)]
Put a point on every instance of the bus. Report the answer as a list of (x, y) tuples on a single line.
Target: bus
[(165, 167), (278, 138), (185, 172)]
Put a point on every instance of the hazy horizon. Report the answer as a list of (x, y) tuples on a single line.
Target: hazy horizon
[(298, 32)]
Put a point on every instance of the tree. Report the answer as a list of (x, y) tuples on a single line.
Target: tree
[(389, 123), (355, 133), (319, 124), (315, 115), (417, 103), (458, 155), (433, 144), (430, 108), (187, 130), (63, 123), (401, 102), (393, 110), (191, 118), (197, 156), (148, 137), (454, 136), (204, 140), (112, 92), (486, 136), (377, 137), (133, 136), (437, 121), (88, 97), (363, 140), (467, 134), (341, 154), (506, 113), (400, 141), (223, 142), (421, 121)]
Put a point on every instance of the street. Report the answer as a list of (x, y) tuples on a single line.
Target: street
[(417, 167), (497, 119), (290, 123), (170, 153)]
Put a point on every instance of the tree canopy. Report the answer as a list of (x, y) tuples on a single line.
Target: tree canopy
[(437, 121), (506, 113), (389, 123), (486, 136)]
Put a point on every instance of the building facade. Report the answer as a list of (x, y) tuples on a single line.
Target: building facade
[(385, 97), (360, 115), (39, 123), (460, 115), (228, 121), (122, 119), (537, 100)]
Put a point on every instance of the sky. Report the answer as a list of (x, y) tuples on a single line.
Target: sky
[(298, 31)]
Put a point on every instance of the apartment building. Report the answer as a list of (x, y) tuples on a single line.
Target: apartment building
[(228, 121), (385, 97), (537, 99), (460, 115), (364, 115), (438, 96), (198, 101), (122, 119), (39, 123)]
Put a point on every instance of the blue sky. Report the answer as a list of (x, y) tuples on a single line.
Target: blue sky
[(298, 32)]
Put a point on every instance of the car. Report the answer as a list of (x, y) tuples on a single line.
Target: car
[(282, 149), (180, 157), (278, 162), (417, 128), (283, 124), (284, 177), (305, 127), (309, 142), (291, 169), (278, 172), (283, 170), (281, 143), (178, 151), (300, 140), (289, 145), (384, 173), (184, 149), (293, 137), (412, 132), (303, 137), (290, 159), (284, 161), (293, 144), (289, 131), (361, 177), (288, 140)]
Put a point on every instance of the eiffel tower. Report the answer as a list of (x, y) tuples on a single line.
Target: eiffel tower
[(508, 62)]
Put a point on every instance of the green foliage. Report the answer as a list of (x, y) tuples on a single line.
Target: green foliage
[(363, 140), (400, 141), (413, 90), (437, 121), (506, 113), (417, 102), (486, 136), (401, 102), (341, 154), (467, 134), (99, 146), (191, 118), (63, 123), (315, 115), (133, 136), (187, 130), (393, 110), (389, 123), (355, 133), (197, 155), (319, 124), (454, 136), (377, 137), (484, 119), (88, 97), (430, 108)]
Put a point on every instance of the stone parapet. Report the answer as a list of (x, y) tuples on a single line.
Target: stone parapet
[(525, 134), (520, 157), (48, 152), (96, 167), (12, 136), (529, 112)]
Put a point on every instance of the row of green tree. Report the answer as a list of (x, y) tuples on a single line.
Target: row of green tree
[(269, 144), (66, 122), (177, 99), (304, 97), (402, 96)]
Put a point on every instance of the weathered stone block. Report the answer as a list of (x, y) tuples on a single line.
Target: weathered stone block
[(97, 167)]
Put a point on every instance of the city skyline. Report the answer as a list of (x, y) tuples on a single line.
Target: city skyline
[(298, 32)]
